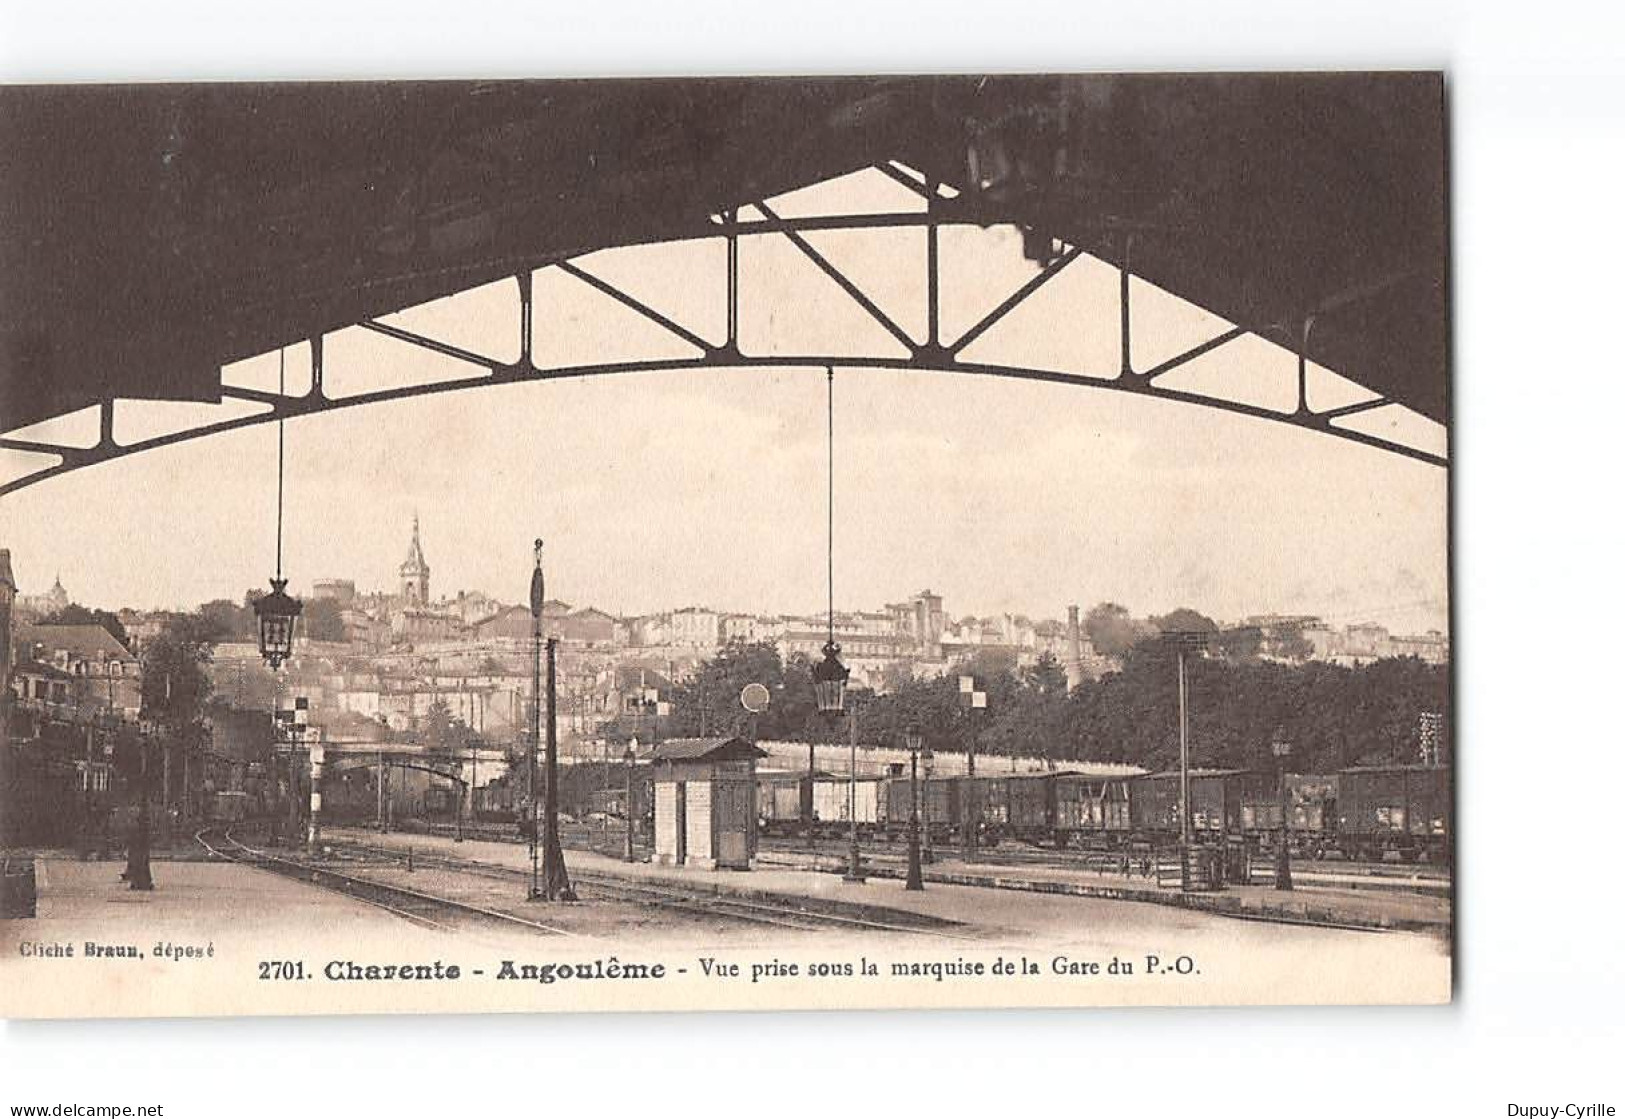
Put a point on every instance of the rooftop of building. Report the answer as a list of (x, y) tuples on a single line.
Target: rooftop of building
[(87, 641)]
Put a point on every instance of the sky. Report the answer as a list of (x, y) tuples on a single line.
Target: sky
[(659, 490)]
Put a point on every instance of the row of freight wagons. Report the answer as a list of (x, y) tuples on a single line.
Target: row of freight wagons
[(1362, 812)]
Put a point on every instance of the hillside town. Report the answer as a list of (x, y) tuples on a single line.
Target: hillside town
[(387, 657), (412, 668)]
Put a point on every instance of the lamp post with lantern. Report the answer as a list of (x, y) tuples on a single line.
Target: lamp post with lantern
[(830, 675), (829, 688), (138, 867), (1282, 750), (928, 855), (1183, 644), (916, 878), (277, 612)]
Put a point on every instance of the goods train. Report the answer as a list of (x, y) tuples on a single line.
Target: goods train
[(1363, 812)]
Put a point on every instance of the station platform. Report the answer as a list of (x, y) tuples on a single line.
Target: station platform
[(1335, 907), (192, 897), (1038, 900)]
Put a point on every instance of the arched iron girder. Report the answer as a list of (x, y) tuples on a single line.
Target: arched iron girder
[(932, 355), (360, 763), (74, 458)]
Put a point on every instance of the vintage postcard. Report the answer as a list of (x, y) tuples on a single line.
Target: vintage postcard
[(725, 544)]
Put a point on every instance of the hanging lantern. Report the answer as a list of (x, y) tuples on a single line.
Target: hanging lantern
[(276, 612), (829, 680)]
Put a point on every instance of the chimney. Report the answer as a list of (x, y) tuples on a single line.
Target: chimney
[(1074, 660)]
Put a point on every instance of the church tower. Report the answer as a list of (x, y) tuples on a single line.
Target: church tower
[(56, 599), (415, 572)]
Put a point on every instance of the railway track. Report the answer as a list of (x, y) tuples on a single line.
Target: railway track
[(767, 910), (425, 910), (1008, 853), (1304, 877)]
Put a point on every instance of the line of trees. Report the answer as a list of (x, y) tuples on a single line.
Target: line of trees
[(1334, 716)]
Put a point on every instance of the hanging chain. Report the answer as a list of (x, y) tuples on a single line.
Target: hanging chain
[(830, 537), (282, 389)]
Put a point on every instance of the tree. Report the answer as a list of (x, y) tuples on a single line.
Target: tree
[(1111, 631), (708, 701), (1289, 643), (446, 733), (895, 676), (75, 615), (1046, 676), (1333, 716), (175, 683), (323, 620), (1239, 644), (229, 620), (1184, 620)]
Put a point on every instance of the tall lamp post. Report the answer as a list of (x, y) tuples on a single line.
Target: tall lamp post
[(138, 868), (829, 688), (462, 795), (296, 743), (631, 758), (1282, 749), (1184, 643), (927, 855), (916, 878), (854, 866)]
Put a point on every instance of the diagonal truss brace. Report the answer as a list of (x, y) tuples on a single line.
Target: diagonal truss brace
[(931, 355)]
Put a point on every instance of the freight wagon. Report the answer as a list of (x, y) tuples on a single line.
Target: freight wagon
[(1083, 807), (1362, 812), (1215, 801), (985, 802), (939, 806), (1311, 806), (836, 799), (783, 805), (1060, 808), (1031, 814), (1404, 809)]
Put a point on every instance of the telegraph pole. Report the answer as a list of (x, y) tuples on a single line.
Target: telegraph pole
[(537, 592), (554, 882), (971, 700), (913, 738), (555, 879)]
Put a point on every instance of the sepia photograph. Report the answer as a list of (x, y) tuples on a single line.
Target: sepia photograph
[(726, 544)]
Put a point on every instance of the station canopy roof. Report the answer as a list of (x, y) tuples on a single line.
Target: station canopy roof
[(704, 749), (152, 233)]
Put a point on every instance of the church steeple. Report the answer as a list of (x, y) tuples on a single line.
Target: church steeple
[(415, 571)]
